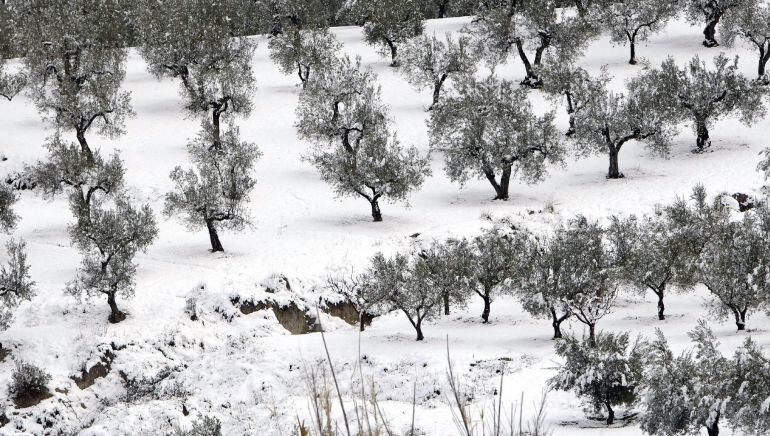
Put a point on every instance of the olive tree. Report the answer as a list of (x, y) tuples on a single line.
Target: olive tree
[(389, 23), (607, 373), (735, 265), (500, 27), (8, 217), (355, 150), (710, 11), (449, 264), (487, 129), (190, 40), (749, 21), (16, 284), (747, 410), (427, 62), (10, 84), (703, 95), (75, 65), (610, 120), (448, 8), (114, 236), (656, 251), (633, 21), (215, 193), (304, 51)]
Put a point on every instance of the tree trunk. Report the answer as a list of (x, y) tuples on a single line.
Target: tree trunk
[(740, 319), (393, 53), (764, 56), (216, 245), (501, 192), (303, 77), (437, 90), (661, 307), (361, 325), (418, 328), (710, 32), (713, 430), (702, 142), (446, 303), (215, 116), (556, 322), (376, 214), (84, 148), (592, 335), (116, 315), (610, 413), (487, 305), (505, 182), (614, 170), (442, 8), (632, 45), (571, 113)]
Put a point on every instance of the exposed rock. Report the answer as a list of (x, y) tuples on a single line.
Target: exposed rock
[(290, 316), (745, 201), (97, 371)]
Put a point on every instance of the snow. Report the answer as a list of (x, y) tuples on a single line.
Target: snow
[(247, 370)]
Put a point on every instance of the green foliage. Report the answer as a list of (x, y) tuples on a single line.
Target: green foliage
[(287, 16), (10, 84), (389, 23), (355, 150), (8, 217), (486, 128), (632, 21), (191, 40), (565, 80), (704, 95), (710, 11), (15, 282), (750, 22), (216, 191), (28, 381), (749, 410), (108, 243), (427, 61), (606, 375), (304, 51)]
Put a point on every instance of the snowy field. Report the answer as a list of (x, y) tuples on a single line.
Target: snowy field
[(247, 372)]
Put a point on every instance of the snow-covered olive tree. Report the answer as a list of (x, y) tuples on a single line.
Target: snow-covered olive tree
[(109, 243), (749, 21), (498, 261), (710, 11), (633, 21), (216, 191), (687, 393), (606, 374), (427, 62), (748, 410), (293, 15), (530, 27), (304, 51), (448, 8), (703, 95), (565, 80), (355, 150), (87, 179), (190, 40), (16, 285), (405, 284), (75, 65), (735, 265), (449, 265), (656, 251), (10, 84), (8, 217), (610, 120), (388, 23), (487, 129)]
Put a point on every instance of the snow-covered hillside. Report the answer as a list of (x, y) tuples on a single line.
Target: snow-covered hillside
[(247, 370)]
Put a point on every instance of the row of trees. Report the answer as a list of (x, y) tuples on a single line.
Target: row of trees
[(700, 388), (577, 270)]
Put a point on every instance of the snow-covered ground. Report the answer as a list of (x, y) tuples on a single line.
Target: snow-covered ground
[(248, 371)]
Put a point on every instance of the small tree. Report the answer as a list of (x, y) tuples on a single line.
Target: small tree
[(705, 95), (75, 65), (388, 23), (109, 244), (427, 62), (15, 282), (356, 290), (449, 265), (404, 284), (355, 150), (487, 129), (750, 22), (304, 51), (10, 84), (656, 251), (610, 120), (499, 27), (630, 22), (606, 374), (686, 393), (712, 11), (28, 382), (191, 41), (497, 257), (735, 265), (568, 81), (8, 217), (216, 192), (748, 410)]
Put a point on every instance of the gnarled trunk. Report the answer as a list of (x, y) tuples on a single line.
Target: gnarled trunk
[(710, 32), (659, 292), (556, 322), (487, 306), (446, 303), (592, 335), (116, 315), (216, 245), (632, 44), (702, 142), (740, 318), (437, 90), (393, 53), (418, 328), (614, 169), (376, 213), (84, 148), (610, 413), (531, 80)]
